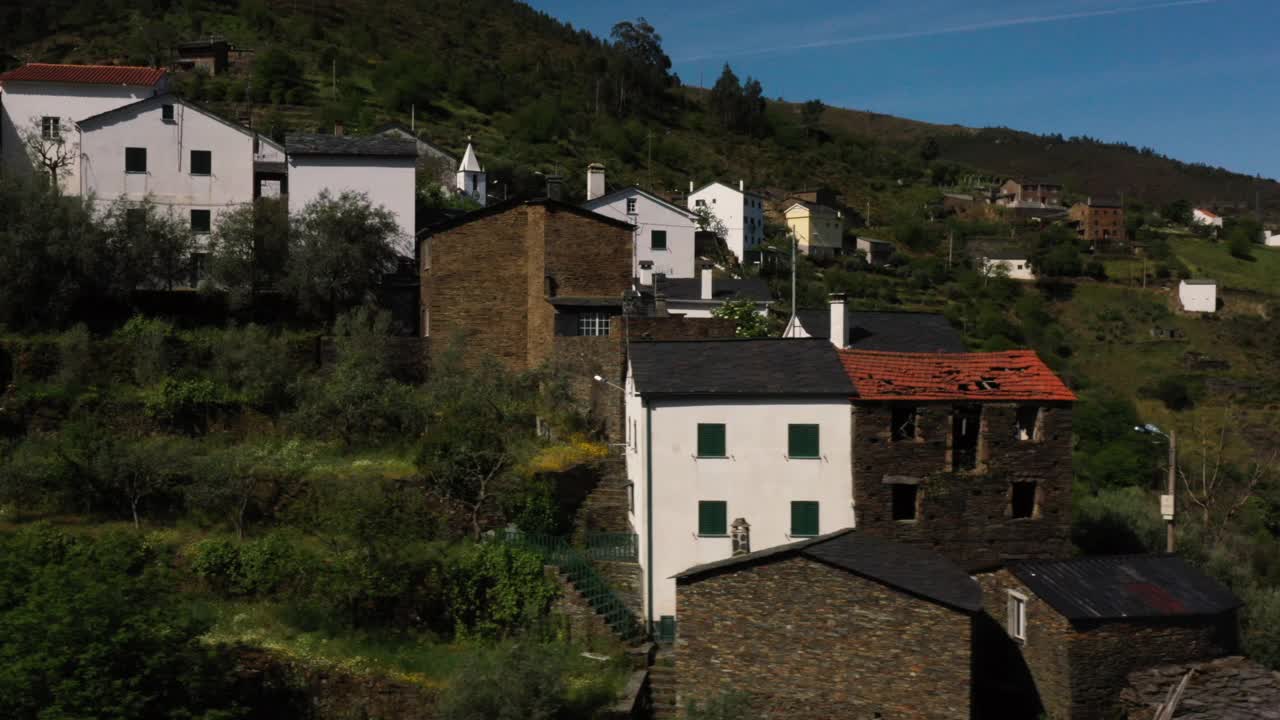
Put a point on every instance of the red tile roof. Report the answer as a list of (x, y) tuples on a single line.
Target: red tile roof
[(85, 74), (1008, 375)]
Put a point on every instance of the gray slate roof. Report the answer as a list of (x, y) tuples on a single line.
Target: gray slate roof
[(1114, 587), (363, 145), (739, 367), (1200, 281), (889, 331), (721, 289), (913, 569)]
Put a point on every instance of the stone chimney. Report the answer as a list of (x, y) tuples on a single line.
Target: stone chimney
[(839, 322), (659, 297), (740, 536), (338, 129), (742, 186), (595, 181), (646, 272), (706, 281), (555, 187)]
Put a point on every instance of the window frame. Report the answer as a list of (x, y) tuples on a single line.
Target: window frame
[(724, 442), (724, 518), (806, 506), (1019, 428), (1016, 616), (208, 225), (913, 420), (208, 157), (167, 113), (594, 324), (792, 429), (134, 151), (631, 206), (50, 127), (654, 235)]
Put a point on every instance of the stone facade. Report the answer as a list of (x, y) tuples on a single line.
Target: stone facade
[(807, 640), (966, 515), (1079, 668), (1228, 688), (1100, 224)]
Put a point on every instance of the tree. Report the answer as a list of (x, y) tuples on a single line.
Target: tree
[(641, 71), (725, 100), (147, 245), (278, 77), (746, 318), (148, 467), (1215, 488), (339, 249), (229, 480), (248, 249), (811, 115), (929, 151), (49, 150)]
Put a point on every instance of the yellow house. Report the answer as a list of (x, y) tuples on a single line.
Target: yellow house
[(818, 229)]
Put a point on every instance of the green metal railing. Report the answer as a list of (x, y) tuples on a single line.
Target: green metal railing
[(555, 550), (620, 547)]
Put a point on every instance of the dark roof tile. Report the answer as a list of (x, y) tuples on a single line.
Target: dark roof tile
[(889, 331), (366, 146), (721, 289), (741, 367)]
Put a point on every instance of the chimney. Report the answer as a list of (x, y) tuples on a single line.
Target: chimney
[(555, 185), (706, 281), (740, 536), (595, 181), (742, 186), (660, 305), (646, 272), (839, 322), (690, 186), (338, 129)]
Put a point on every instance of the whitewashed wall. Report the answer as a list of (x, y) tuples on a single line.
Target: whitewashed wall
[(677, 261), (742, 215), (1019, 269), (1198, 298), (389, 182)]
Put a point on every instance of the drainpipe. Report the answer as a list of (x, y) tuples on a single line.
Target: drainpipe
[(648, 499)]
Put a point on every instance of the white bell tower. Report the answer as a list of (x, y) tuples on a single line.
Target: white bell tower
[(471, 177)]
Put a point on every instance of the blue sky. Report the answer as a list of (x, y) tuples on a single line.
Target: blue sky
[(1194, 79)]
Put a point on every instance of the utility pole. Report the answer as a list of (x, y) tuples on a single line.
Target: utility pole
[(868, 221), (648, 170), (951, 243), (1166, 505)]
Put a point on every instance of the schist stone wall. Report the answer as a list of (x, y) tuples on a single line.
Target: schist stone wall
[(970, 516), (807, 640), (1080, 668)]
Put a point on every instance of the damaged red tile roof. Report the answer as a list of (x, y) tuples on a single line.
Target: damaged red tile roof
[(85, 74), (1007, 375)]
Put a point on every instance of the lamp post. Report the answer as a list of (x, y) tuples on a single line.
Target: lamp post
[(1166, 500)]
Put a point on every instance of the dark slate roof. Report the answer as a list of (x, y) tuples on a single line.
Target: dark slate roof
[(1200, 281), (365, 145), (739, 366), (721, 289), (1114, 587), (913, 569), (889, 331), (499, 208), (1007, 254)]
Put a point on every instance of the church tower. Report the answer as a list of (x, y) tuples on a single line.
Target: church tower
[(471, 178)]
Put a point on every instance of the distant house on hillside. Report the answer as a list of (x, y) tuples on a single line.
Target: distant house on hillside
[(1198, 295), (1204, 216), (818, 229), (1099, 222), (210, 55), (1027, 192), (1016, 264), (741, 211), (876, 252), (1271, 238)]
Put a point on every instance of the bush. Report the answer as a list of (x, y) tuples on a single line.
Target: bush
[(517, 682), (185, 404), (217, 562), (496, 589), (150, 344), (274, 564), (1117, 520), (1172, 391)]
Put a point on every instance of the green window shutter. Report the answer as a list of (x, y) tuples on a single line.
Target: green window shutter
[(658, 239), (713, 517), (802, 441), (711, 440), (804, 518)]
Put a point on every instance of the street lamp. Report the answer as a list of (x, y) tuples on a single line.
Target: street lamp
[(600, 379), (1166, 500)]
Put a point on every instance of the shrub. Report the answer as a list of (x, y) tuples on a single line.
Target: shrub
[(185, 404), (495, 589), (150, 344), (517, 682), (217, 562), (273, 564), (1172, 391)]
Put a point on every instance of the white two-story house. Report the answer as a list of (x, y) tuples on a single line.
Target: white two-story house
[(742, 213), (181, 157), (664, 232), (719, 430), (49, 99)]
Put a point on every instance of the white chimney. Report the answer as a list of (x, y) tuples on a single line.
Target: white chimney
[(595, 181), (839, 321), (742, 186), (646, 272), (706, 281), (691, 186)]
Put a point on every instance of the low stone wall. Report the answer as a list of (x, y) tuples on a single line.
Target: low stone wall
[(1222, 689), (627, 581)]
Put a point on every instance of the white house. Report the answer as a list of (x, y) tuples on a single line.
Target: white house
[(49, 99), (1198, 295), (471, 180), (699, 297), (1017, 266), (1270, 238), (1203, 216), (664, 232), (380, 166), (180, 156), (715, 432), (741, 212), (434, 161)]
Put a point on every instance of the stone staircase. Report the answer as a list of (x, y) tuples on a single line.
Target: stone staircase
[(662, 686)]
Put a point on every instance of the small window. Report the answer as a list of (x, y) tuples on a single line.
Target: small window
[(593, 323), (966, 424), (658, 239), (1028, 419), (802, 441), (713, 518), (135, 160), (804, 518), (699, 203), (50, 128), (166, 113), (201, 162), (631, 206), (200, 222), (903, 423), (711, 440), (906, 501), (1022, 499), (1017, 624)]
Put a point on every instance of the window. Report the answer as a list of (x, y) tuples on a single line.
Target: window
[(712, 518), (200, 221), (658, 239), (711, 440), (631, 206), (135, 160), (201, 162), (802, 441), (50, 128), (804, 518), (1017, 616), (903, 423), (965, 425), (593, 323), (1028, 420), (166, 113), (906, 501), (1022, 499)]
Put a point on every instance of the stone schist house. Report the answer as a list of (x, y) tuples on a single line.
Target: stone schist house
[(1075, 630), (969, 453), (1027, 192), (1099, 221), (843, 625)]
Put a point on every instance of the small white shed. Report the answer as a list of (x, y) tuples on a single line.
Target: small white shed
[(1198, 295)]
